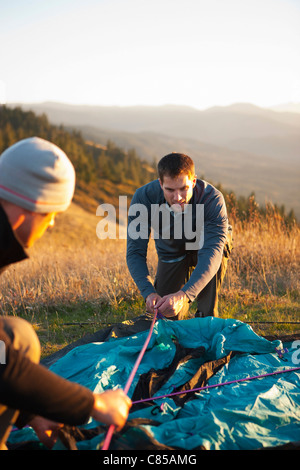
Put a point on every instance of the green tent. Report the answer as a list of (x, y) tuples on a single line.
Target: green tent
[(233, 410)]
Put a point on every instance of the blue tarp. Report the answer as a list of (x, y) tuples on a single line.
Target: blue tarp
[(247, 415)]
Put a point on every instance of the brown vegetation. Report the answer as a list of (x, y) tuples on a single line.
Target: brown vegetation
[(72, 276)]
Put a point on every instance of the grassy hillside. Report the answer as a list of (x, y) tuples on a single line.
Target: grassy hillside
[(75, 283)]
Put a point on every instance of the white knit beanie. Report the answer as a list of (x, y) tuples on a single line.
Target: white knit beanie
[(37, 175)]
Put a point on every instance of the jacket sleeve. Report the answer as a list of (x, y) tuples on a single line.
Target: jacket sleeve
[(210, 255), (33, 389), (138, 233)]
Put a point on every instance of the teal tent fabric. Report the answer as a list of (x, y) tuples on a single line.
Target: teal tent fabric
[(248, 415)]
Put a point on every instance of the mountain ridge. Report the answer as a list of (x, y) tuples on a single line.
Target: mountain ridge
[(217, 125)]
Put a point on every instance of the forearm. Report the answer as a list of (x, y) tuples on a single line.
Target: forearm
[(209, 261), (137, 266), (35, 390), (201, 276)]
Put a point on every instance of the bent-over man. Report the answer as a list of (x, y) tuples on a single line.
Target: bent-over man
[(189, 224)]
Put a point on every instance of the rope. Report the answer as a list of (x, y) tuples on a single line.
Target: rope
[(129, 381), (182, 392), (276, 322)]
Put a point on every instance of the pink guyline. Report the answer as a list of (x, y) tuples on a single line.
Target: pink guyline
[(217, 385), (129, 381)]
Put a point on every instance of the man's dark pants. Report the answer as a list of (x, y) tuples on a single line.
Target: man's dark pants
[(171, 277)]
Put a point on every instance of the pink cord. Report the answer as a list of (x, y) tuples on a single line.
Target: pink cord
[(129, 381), (206, 387)]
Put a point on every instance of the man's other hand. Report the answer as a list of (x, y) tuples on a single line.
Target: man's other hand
[(151, 302), (170, 305)]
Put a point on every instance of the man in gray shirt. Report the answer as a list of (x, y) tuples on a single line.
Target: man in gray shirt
[(189, 223)]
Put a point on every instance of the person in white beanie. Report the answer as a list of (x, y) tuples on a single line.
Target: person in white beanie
[(37, 181)]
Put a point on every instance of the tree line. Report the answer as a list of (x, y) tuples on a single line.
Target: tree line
[(91, 162)]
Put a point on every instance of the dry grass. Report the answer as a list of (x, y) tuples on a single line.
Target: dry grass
[(262, 281), (68, 265), (73, 276), (266, 256)]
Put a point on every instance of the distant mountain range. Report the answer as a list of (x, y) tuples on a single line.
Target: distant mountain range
[(244, 147)]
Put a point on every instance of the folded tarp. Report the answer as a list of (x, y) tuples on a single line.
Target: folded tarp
[(183, 355)]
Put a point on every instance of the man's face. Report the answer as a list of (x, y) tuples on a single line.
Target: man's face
[(178, 191)]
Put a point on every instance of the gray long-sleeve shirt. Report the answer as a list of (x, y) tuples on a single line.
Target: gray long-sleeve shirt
[(170, 246)]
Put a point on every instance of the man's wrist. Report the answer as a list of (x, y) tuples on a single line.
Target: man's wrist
[(181, 292), (148, 295), (184, 294)]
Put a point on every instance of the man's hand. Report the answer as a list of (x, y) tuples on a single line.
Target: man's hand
[(151, 302), (111, 407), (45, 430), (171, 304)]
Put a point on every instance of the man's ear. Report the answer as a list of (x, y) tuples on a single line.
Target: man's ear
[(18, 221), (15, 214), (160, 182), (194, 181)]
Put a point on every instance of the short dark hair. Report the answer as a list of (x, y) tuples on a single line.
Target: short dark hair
[(175, 164)]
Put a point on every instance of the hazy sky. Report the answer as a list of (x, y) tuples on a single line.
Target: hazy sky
[(127, 52)]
